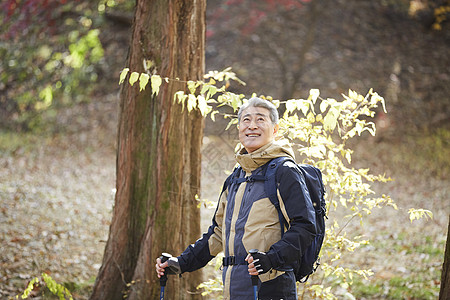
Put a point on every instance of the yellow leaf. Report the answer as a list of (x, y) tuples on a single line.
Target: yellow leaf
[(313, 95), (143, 80), (123, 74), (202, 105), (291, 105), (134, 77), (191, 102), (156, 83), (323, 106)]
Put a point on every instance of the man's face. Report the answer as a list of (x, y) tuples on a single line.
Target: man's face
[(255, 128)]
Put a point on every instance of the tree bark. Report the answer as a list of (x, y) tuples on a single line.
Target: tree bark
[(158, 156), (444, 294)]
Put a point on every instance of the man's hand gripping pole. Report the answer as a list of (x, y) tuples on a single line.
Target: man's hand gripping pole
[(163, 279)]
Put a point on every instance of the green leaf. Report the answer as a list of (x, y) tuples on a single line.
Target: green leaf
[(235, 101), (133, 78), (123, 74), (47, 97), (143, 80), (192, 86), (212, 91), (205, 87), (156, 83)]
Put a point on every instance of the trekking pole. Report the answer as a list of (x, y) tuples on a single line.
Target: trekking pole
[(254, 277), (163, 279)]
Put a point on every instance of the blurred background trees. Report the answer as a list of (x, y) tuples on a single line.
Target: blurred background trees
[(59, 53)]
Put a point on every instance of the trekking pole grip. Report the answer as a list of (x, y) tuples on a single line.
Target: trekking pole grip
[(254, 277), (164, 257)]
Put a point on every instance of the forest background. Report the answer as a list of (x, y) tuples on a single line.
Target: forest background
[(59, 106)]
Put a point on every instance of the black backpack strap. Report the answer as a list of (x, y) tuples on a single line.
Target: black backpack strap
[(232, 177), (270, 186)]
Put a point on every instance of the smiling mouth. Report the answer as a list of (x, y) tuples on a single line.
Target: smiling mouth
[(253, 135)]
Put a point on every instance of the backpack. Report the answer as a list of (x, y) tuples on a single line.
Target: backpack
[(309, 261)]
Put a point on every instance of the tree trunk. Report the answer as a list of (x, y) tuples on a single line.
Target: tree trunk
[(444, 294), (158, 156)]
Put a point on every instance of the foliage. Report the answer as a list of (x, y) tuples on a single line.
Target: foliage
[(51, 52), (46, 280), (406, 287), (320, 139), (441, 14)]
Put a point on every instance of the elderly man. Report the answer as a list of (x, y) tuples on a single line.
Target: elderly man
[(246, 219)]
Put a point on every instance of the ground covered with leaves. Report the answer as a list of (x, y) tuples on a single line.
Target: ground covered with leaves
[(56, 193)]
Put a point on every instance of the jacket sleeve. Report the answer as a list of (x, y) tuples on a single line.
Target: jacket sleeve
[(197, 255), (296, 203)]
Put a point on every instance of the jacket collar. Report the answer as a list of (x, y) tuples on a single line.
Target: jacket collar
[(251, 161)]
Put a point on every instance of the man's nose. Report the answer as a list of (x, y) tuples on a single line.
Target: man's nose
[(252, 124)]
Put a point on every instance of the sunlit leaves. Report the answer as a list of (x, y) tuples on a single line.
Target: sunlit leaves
[(84, 48), (46, 96), (417, 214), (123, 75), (143, 80), (180, 97), (331, 118), (133, 78), (313, 95), (224, 75), (156, 83), (194, 99), (191, 102), (55, 288)]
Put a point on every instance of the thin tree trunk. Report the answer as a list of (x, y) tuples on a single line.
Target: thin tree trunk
[(158, 156), (444, 294)]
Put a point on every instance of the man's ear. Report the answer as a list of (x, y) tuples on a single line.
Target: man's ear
[(275, 129)]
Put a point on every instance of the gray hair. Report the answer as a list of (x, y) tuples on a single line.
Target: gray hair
[(258, 102)]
